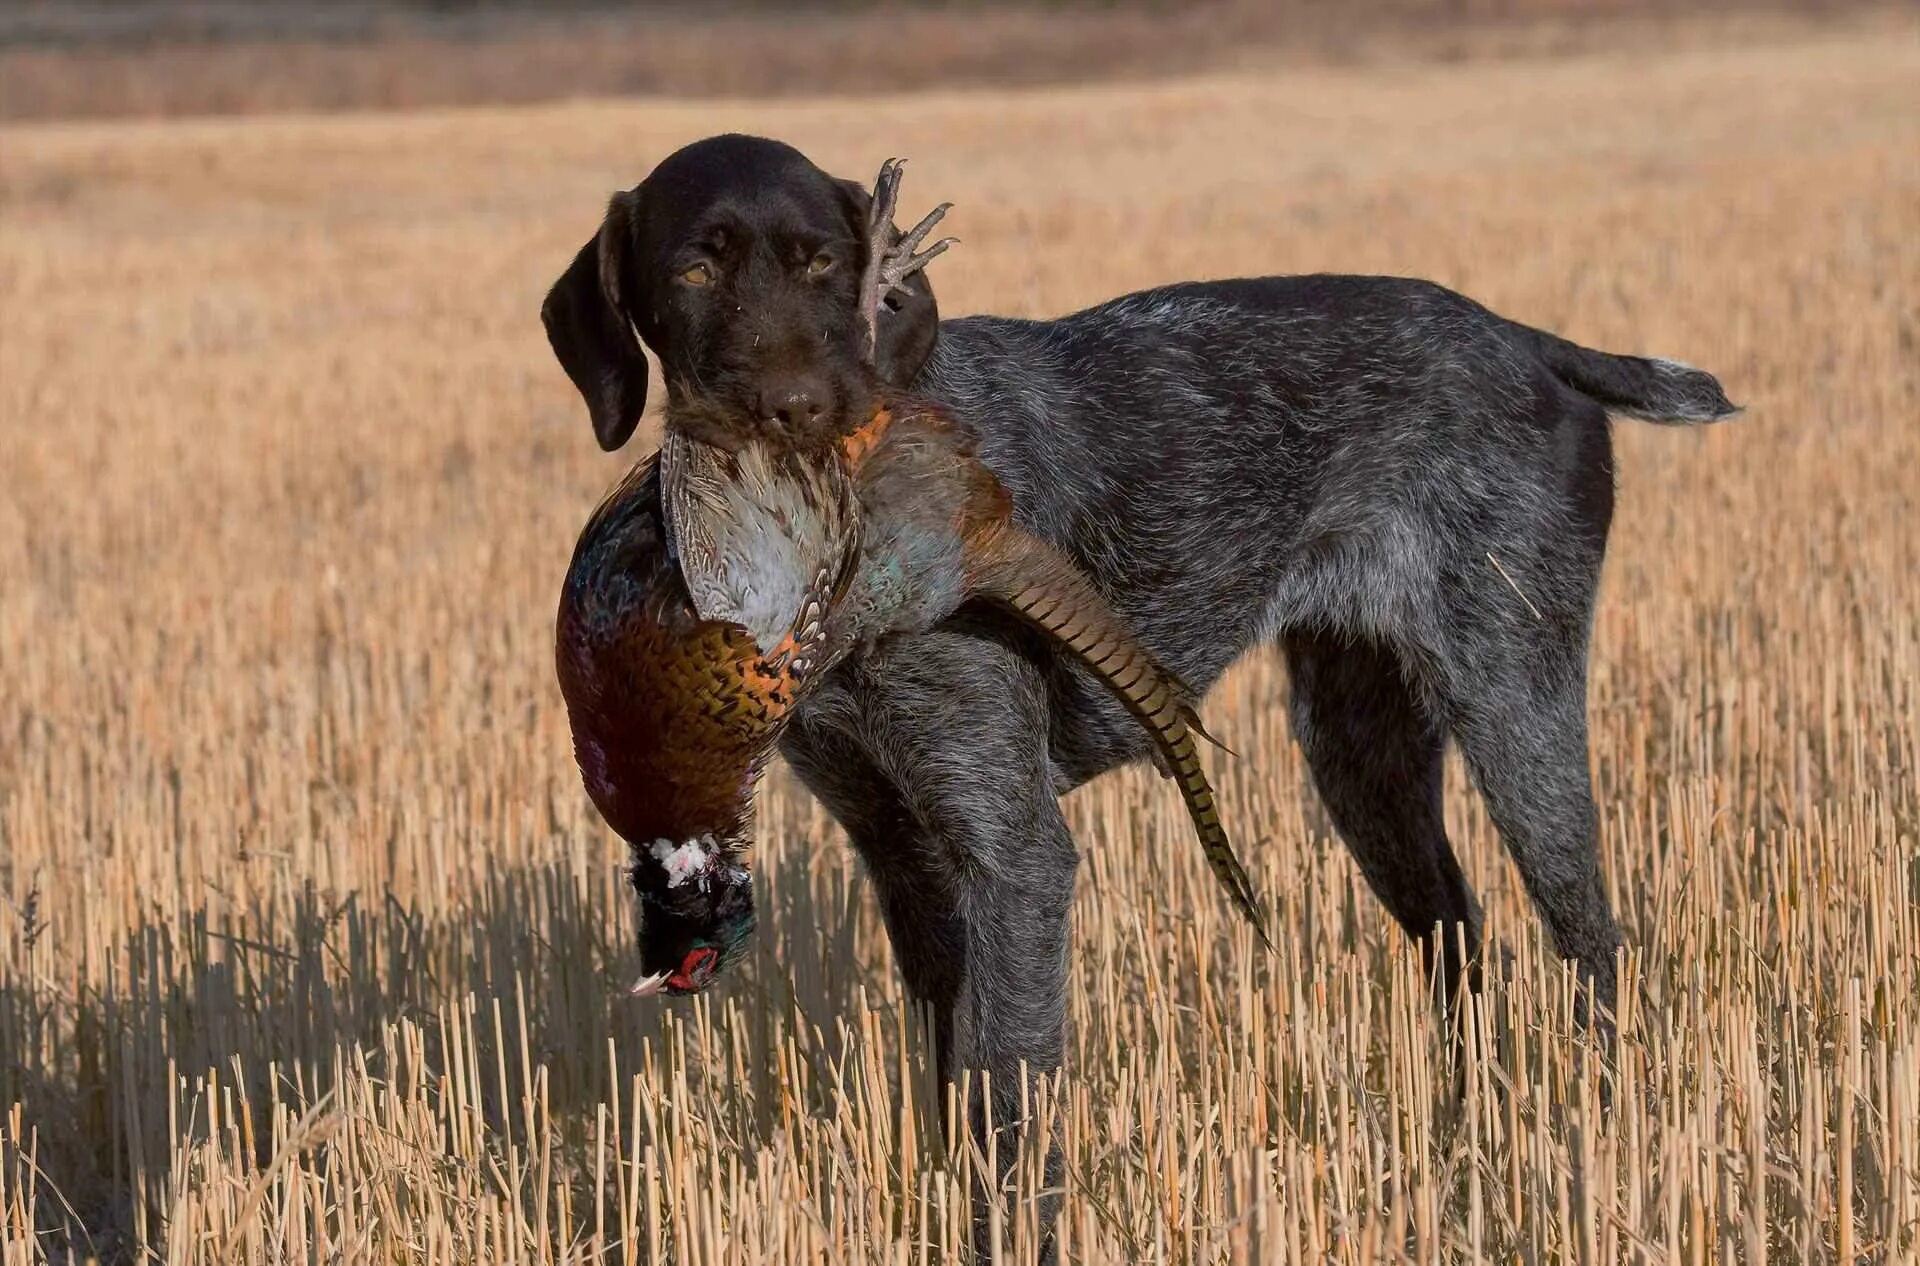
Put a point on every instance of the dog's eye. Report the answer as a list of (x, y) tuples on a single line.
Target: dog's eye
[(819, 264), (698, 275)]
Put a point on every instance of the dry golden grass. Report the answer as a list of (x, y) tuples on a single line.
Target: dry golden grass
[(310, 943)]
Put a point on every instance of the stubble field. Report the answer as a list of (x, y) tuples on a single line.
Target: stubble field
[(311, 947)]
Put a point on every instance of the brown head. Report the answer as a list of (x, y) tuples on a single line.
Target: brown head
[(739, 263)]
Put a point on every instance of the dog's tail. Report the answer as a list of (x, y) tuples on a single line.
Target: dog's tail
[(1653, 390)]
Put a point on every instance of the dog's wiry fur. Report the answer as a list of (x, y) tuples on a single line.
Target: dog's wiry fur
[(1405, 492)]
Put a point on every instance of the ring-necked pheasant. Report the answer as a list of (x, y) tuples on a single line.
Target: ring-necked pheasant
[(718, 581)]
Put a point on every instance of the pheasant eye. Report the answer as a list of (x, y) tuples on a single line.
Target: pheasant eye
[(819, 263)]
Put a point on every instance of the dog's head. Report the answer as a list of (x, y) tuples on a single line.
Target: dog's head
[(738, 262)]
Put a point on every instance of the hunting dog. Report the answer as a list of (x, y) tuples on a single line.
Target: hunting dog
[(1405, 492)]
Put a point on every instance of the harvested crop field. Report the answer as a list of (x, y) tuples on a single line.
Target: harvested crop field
[(312, 948)]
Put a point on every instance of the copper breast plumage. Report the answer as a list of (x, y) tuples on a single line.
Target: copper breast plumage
[(693, 614)]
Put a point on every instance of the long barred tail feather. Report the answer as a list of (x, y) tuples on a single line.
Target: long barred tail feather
[(1033, 580)]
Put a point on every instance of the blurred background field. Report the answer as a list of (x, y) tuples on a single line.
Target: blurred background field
[(67, 58), (311, 946)]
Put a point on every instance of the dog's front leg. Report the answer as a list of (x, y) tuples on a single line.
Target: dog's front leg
[(986, 946), (1011, 1022), (932, 753)]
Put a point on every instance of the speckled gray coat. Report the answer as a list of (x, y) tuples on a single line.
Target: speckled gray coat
[(1407, 493)]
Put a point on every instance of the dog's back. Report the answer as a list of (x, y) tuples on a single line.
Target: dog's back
[(1231, 459)]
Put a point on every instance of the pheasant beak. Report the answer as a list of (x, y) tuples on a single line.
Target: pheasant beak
[(694, 973)]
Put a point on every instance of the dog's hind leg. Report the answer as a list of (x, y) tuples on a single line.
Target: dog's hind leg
[(1517, 706), (1376, 756)]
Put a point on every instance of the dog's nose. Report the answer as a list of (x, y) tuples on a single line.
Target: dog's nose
[(795, 401)]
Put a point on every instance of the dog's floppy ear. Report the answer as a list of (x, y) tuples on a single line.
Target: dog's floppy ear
[(587, 322), (909, 319), (909, 324)]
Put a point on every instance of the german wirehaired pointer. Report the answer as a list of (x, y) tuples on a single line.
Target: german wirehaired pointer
[(1405, 492)]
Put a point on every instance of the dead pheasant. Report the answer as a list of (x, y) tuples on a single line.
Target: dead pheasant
[(719, 580)]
